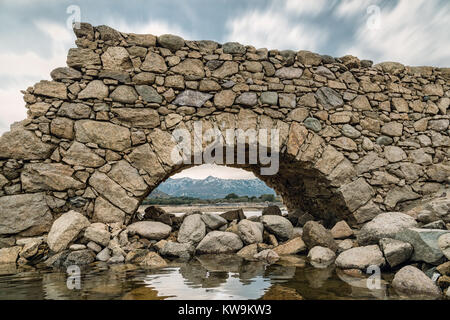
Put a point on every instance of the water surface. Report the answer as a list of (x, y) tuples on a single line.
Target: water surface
[(205, 277)]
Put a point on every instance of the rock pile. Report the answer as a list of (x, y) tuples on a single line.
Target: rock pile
[(404, 245)]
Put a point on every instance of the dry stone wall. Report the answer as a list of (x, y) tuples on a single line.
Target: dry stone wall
[(356, 139)]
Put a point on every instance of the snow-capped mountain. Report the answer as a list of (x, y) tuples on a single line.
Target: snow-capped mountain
[(213, 188)]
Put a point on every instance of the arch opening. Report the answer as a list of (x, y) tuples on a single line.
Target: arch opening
[(303, 188)]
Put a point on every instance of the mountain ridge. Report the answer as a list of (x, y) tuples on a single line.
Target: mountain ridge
[(212, 187)]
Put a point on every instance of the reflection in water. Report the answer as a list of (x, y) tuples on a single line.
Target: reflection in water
[(205, 277)]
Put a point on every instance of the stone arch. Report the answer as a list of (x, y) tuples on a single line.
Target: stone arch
[(355, 139)]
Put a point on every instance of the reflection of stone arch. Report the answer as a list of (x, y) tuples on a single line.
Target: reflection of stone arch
[(98, 137)]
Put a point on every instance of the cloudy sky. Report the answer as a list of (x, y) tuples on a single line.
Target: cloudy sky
[(35, 36)]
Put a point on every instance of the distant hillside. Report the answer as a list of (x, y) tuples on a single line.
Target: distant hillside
[(212, 188), (158, 194)]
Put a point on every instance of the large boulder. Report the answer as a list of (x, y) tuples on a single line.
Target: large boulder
[(250, 231), (314, 234), (192, 229), (219, 242), (22, 211), (360, 258), (213, 221), (385, 225), (65, 229), (396, 252), (321, 257), (411, 281), (150, 229), (425, 243), (279, 226)]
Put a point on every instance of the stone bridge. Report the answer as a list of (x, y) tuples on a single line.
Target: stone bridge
[(355, 139)]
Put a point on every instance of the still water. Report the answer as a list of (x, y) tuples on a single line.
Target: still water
[(204, 277)]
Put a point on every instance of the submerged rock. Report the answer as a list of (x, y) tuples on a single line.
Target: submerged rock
[(153, 260), (268, 256), (278, 292), (79, 257), (248, 252), (178, 250), (321, 257)]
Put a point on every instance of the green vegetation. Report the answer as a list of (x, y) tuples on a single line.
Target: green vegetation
[(230, 198)]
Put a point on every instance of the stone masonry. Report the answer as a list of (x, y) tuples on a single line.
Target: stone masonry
[(356, 139)]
